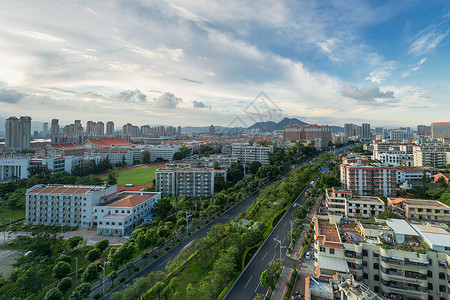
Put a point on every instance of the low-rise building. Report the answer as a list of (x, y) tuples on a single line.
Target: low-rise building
[(342, 202), (430, 210)]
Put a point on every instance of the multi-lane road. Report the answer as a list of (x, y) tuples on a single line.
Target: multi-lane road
[(247, 286)]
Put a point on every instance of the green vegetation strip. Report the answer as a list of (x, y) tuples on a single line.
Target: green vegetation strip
[(137, 176)]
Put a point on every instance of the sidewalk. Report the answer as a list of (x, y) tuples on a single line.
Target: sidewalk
[(281, 287)]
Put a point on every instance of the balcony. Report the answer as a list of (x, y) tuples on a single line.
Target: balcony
[(394, 272), (415, 275)]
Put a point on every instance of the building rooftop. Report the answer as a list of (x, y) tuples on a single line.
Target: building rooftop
[(127, 199), (333, 263), (435, 235), (329, 231), (419, 202), (65, 189), (115, 216), (401, 227), (366, 199), (350, 234)]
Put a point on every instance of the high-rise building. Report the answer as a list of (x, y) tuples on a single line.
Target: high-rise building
[(110, 128), (212, 130), (179, 130), (366, 134), (11, 132), (91, 127), (54, 129), (349, 129), (100, 128), (78, 129), (379, 130), (358, 131), (18, 132), (440, 130), (45, 129), (308, 133)]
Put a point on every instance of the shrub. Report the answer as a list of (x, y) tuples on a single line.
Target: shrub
[(93, 255)]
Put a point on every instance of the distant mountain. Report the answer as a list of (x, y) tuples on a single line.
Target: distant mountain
[(205, 129), (336, 129), (270, 126)]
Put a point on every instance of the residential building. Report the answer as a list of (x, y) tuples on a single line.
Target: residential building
[(45, 129), (308, 133), (18, 133), (393, 258), (349, 130), (54, 129), (440, 129), (401, 134), (434, 156), (366, 133), (342, 202), (191, 182), (409, 174), (428, 210), (100, 128), (212, 130), (110, 128), (247, 154), (369, 180)]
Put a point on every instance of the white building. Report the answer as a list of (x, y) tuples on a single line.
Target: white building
[(247, 154), (192, 182), (343, 203), (123, 212)]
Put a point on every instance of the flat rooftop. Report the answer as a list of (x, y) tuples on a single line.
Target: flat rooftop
[(424, 203), (350, 234), (329, 231), (115, 216), (401, 227), (366, 199), (65, 189)]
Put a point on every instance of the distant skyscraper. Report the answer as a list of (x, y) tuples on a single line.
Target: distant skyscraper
[(212, 130), (54, 129), (440, 130), (18, 132), (110, 128), (366, 134), (78, 129), (45, 129), (379, 130), (349, 129), (90, 127), (358, 131), (179, 130), (100, 128)]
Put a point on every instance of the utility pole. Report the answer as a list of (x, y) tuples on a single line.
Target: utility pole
[(10, 219), (188, 214), (76, 271), (279, 242), (103, 267)]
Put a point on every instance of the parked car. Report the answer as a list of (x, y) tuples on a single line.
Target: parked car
[(308, 255)]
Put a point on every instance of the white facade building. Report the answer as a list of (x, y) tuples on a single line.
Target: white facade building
[(247, 154), (188, 182)]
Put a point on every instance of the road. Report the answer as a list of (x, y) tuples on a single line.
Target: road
[(160, 263), (247, 285)]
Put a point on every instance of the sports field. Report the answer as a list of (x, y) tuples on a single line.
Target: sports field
[(136, 176)]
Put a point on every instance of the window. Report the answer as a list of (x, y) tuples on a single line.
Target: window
[(429, 274), (376, 278), (375, 266), (437, 211), (441, 275), (331, 251), (322, 249)]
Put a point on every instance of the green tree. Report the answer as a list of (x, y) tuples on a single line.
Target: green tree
[(113, 178), (82, 291), (29, 281), (102, 245), (90, 273), (63, 257), (182, 153), (158, 288), (112, 276), (65, 284), (39, 171), (266, 279), (74, 241), (254, 166), (387, 214), (16, 198), (61, 270), (53, 294), (235, 172), (191, 292), (145, 157), (93, 255), (442, 182)]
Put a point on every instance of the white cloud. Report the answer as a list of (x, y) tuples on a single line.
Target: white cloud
[(167, 100)]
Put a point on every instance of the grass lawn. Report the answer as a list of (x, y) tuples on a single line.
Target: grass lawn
[(7, 212), (136, 176)]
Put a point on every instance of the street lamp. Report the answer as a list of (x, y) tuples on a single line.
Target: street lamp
[(279, 242), (103, 267)]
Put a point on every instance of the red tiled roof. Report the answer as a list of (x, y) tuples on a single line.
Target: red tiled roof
[(68, 146), (130, 201), (115, 142)]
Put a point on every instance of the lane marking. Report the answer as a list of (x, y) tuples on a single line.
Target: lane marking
[(257, 286), (284, 224), (163, 262), (248, 282), (274, 257), (264, 256), (283, 240)]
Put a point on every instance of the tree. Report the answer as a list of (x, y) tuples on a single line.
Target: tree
[(63, 257), (235, 172), (61, 270), (266, 279), (145, 157), (191, 292), (162, 208), (93, 255), (442, 182), (90, 180), (74, 241), (16, 198), (159, 287), (90, 273), (254, 166), (102, 245), (113, 178), (82, 291), (65, 284), (112, 276), (39, 171), (387, 214), (275, 267), (29, 281), (182, 153), (53, 294)]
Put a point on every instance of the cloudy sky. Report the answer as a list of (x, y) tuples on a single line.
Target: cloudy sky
[(192, 62)]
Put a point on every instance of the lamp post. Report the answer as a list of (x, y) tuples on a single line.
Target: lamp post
[(103, 267), (279, 242)]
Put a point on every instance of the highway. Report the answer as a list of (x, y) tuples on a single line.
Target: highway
[(160, 263), (247, 285)]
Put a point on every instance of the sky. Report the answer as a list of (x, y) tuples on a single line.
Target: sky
[(227, 63)]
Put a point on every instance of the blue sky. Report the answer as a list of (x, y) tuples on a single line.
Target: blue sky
[(201, 62)]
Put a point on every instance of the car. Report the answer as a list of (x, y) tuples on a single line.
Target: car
[(308, 255)]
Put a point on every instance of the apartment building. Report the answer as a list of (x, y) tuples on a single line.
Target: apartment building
[(440, 130), (247, 154), (434, 156), (409, 174), (18, 133), (123, 212), (368, 180), (308, 133), (395, 259), (101, 207), (343, 203), (428, 210), (191, 182)]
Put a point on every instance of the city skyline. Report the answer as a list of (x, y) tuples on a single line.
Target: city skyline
[(383, 64)]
